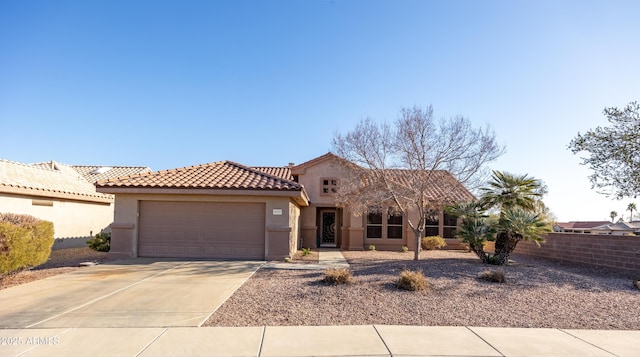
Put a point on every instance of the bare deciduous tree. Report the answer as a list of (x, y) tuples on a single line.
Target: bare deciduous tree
[(410, 166)]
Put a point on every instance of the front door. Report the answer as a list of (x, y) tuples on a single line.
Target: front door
[(328, 226)]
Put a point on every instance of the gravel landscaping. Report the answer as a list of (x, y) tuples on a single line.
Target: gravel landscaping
[(537, 293), (60, 261)]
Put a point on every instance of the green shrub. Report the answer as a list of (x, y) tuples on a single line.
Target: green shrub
[(25, 242), (405, 249), (101, 242), (306, 251), (494, 276), (433, 242), (335, 276), (287, 260), (492, 259), (412, 280), (372, 247)]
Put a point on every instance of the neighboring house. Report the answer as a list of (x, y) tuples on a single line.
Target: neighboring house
[(94, 174), (578, 226), (228, 210), (60, 194), (619, 229), (56, 193)]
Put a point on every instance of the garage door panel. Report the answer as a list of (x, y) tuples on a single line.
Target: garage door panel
[(201, 230)]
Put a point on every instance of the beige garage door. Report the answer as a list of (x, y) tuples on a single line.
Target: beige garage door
[(201, 230)]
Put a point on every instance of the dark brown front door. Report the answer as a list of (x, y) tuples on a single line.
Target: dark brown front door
[(328, 228)]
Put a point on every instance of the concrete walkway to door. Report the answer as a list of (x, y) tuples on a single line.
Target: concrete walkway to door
[(327, 258), (143, 292)]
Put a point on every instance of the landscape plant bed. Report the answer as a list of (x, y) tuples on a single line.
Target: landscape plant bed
[(310, 258), (537, 293), (60, 261)]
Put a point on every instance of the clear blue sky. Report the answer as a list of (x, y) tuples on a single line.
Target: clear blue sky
[(169, 84)]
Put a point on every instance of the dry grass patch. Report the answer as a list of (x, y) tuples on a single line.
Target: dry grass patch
[(336, 276), (412, 280), (494, 276)]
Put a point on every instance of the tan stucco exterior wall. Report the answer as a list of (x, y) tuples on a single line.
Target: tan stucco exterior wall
[(311, 177), (71, 219), (294, 223), (281, 215), (353, 235)]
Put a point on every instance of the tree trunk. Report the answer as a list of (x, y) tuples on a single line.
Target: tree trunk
[(505, 244), (416, 253), (479, 250)]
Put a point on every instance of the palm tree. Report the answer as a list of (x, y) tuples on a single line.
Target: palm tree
[(613, 215), (474, 228), (507, 191), (516, 197), (631, 207)]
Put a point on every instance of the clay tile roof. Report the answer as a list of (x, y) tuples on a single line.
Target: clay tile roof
[(217, 175), (50, 179), (94, 174), (282, 172), (582, 224), (442, 186)]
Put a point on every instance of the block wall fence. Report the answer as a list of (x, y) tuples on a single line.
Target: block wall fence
[(619, 252)]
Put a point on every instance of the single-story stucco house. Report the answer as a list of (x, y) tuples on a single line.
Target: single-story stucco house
[(619, 229), (228, 210), (578, 226), (60, 194)]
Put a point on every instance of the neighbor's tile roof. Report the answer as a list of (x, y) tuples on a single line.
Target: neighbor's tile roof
[(582, 224), (217, 175), (282, 172), (108, 172), (620, 226), (50, 180)]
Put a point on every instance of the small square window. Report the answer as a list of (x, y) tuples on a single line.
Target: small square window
[(329, 186)]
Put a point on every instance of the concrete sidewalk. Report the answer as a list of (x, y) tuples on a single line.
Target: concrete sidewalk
[(366, 340)]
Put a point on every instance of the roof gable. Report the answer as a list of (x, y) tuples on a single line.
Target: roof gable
[(300, 169), (217, 175)]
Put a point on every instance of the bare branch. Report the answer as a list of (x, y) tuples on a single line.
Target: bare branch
[(417, 165)]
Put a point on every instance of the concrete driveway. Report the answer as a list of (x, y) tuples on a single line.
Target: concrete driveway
[(131, 293)]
